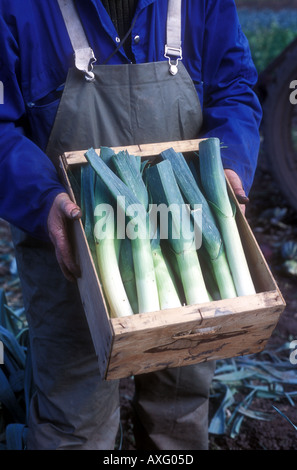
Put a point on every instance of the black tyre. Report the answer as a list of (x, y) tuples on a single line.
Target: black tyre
[(280, 128)]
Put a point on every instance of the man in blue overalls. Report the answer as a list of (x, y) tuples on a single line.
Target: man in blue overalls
[(88, 73)]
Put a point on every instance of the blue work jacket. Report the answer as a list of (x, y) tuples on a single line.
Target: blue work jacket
[(35, 55)]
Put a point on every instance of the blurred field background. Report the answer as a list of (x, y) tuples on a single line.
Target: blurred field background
[(269, 26)]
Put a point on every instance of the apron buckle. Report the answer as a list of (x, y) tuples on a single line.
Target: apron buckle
[(176, 53), (84, 59)]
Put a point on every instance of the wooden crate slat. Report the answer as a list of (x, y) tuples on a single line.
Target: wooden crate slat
[(144, 151)]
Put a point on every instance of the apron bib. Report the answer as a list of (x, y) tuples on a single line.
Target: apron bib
[(128, 104), (101, 106), (125, 104)]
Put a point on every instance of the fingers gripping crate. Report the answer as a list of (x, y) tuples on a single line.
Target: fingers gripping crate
[(176, 337)]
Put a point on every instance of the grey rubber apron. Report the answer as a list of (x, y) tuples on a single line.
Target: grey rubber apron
[(113, 105), (73, 409)]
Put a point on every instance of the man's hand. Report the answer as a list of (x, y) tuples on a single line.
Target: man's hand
[(62, 211), (236, 185)]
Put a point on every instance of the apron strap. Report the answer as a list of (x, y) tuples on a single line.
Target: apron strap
[(83, 54), (173, 48)]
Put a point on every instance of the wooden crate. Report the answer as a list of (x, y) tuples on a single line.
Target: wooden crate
[(175, 337)]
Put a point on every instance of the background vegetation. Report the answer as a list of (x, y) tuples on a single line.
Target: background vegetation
[(268, 30)]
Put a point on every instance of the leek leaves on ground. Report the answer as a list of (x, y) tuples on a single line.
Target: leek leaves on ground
[(138, 232), (215, 188), (204, 222)]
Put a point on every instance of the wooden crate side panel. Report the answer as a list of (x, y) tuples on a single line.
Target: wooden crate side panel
[(213, 331), (93, 301), (260, 271), (90, 292)]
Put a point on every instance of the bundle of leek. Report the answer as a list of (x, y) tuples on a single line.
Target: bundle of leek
[(215, 188), (133, 267), (103, 243), (137, 230), (204, 222), (164, 191)]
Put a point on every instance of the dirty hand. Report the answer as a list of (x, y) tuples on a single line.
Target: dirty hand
[(62, 211), (236, 185)]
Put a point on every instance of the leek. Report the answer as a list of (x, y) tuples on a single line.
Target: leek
[(88, 206), (127, 272), (106, 155), (204, 223), (165, 191), (209, 275), (168, 295), (107, 256), (215, 187), (138, 232), (128, 170)]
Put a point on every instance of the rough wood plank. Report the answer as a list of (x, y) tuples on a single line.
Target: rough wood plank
[(146, 150), (217, 330), (260, 271), (178, 318)]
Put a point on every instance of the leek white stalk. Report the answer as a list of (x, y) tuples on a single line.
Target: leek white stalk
[(215, 187), (204, 222), (209, 276), (127, 272), (164, 190), (107, 256), (146, 285), (168, 295), (128, 168)]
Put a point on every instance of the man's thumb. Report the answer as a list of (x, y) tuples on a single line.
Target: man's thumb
[(75, 213), (69, 208)]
